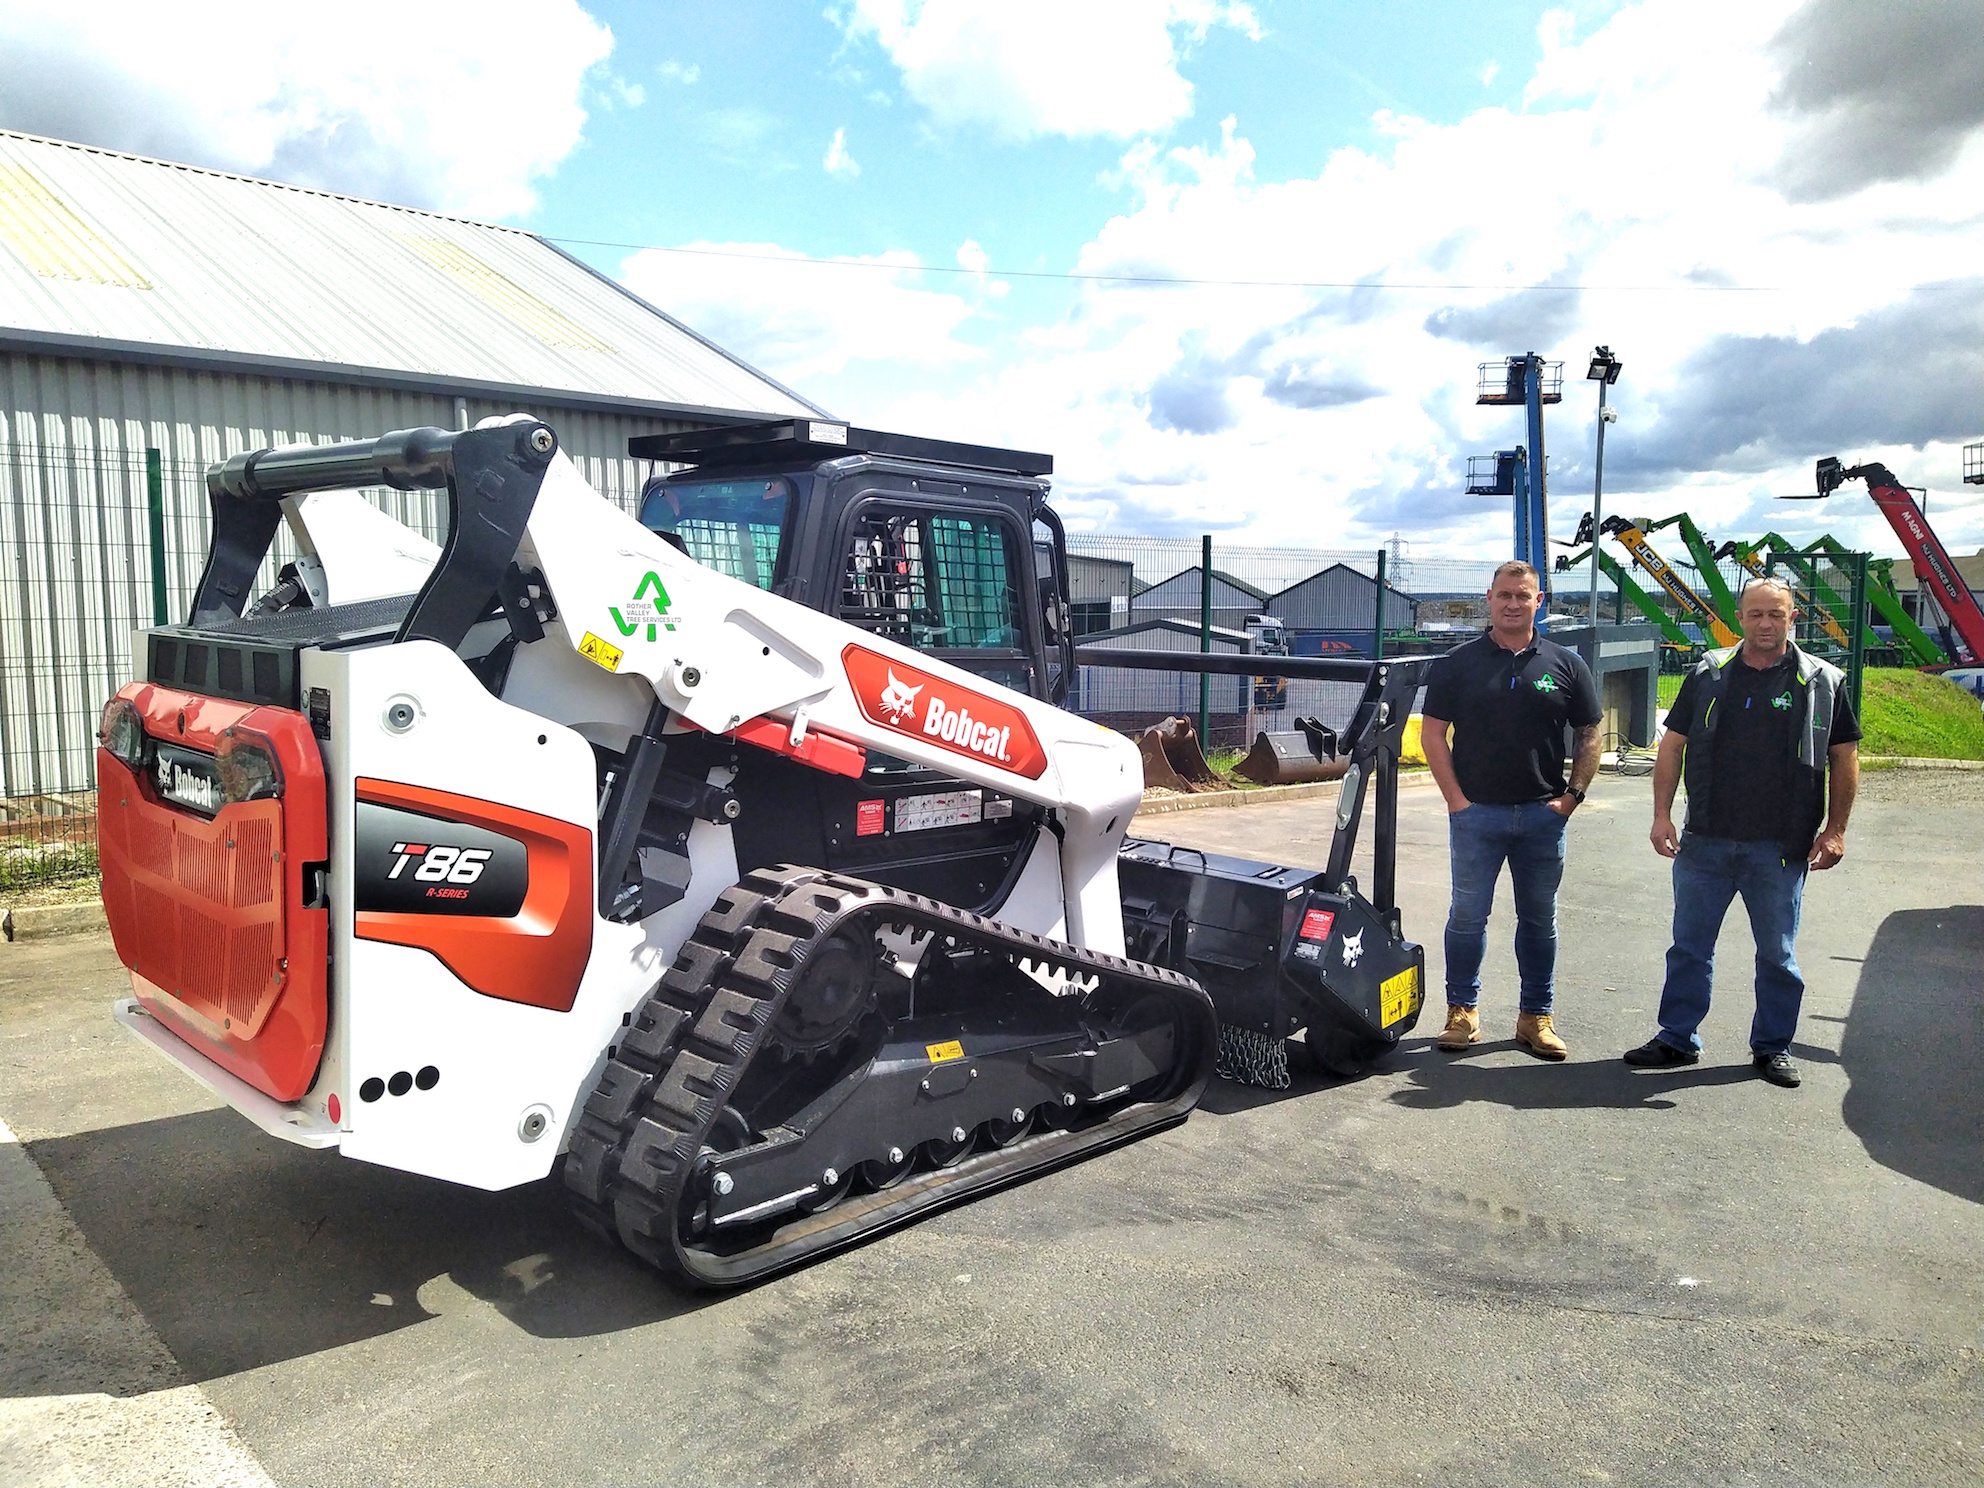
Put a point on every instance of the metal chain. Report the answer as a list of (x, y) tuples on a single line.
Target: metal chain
[(1252, 1058)]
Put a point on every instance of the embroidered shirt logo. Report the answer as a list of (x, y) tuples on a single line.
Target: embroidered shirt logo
[(1546, 683), (1782, 700)]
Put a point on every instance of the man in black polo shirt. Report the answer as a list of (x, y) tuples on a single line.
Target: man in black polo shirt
[(1767, 742), (1509, 695)]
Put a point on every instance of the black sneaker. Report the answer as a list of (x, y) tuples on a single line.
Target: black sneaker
[(1655, 1054), (1778, 1069)]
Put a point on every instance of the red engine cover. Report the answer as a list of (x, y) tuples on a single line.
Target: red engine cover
[(209, 914)]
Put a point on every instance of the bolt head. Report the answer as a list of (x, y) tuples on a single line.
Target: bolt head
[(1018, 1115), (542, 441), (723, 1183), (957, 1134), (830, 1177), (895, 1154), (1068, 1100)]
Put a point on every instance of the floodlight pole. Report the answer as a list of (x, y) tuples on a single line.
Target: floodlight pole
[(1597, 516), (1604, 371)]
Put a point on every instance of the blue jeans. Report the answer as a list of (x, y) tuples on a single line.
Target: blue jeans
[(1530, 839), (1709, 872)]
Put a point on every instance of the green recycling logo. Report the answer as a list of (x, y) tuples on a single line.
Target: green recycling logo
[(1782, 700), (1546, 683), (643, 610)]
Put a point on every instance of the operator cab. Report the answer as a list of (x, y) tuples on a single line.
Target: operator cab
[(949, 549), (946, 548)]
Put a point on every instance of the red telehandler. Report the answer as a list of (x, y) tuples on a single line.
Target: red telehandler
[(1933, 569)]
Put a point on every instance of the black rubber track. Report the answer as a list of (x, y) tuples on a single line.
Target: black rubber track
[(634, 1150)]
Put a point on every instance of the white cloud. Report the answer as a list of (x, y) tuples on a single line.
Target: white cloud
[(973, 257), (1640, 173), (1025, 68), (802, 321), (680, 72), (621, 93), (454, 104), (1643, 169), (1490, 72), (838, 162)]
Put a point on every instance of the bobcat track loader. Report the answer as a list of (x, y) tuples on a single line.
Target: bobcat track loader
[(736, 855)]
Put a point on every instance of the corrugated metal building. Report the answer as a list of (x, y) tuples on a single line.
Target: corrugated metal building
[(1099, 591), (1338, 599), (1178, 598), (151, 306), (1120, 693), (1132, 700)]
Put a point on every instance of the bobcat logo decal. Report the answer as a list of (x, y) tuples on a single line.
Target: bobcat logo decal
[(899, 701), (1353, 948)]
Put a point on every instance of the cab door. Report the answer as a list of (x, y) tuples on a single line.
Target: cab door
[(951, 580)]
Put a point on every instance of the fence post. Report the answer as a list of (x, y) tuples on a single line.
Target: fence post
[(1378, 627), (155, 499), (1205, 639), (1856, 650)]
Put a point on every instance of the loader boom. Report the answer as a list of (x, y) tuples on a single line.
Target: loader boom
[(1934, 572), (1633, 540)]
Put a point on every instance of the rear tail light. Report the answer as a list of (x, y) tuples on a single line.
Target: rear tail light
[(122, 732), (246, 763)]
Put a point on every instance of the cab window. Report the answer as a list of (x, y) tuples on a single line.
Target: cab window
[(735, 527)]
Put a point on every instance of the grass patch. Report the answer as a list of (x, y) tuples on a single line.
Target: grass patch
[(1669, 685), (27, 864), (1905, 712), (1920, 715), (1223, 762)]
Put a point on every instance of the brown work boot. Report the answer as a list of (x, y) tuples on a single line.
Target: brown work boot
[(1535, 1033), (1463, 1028)]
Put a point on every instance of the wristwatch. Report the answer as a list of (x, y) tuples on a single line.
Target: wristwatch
[(1575, 794)]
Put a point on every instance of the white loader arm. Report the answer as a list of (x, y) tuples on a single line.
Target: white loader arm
[(726, 657)]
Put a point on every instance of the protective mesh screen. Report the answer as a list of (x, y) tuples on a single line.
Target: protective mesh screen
[(931, 582), (744, 550)]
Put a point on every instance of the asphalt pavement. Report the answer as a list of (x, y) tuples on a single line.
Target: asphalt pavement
[(1455, 1270)]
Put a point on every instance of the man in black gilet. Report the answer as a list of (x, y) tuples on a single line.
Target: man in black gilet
[(1766, 741)]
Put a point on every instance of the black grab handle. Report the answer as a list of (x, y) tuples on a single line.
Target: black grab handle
[(407, 460), (491, 475)]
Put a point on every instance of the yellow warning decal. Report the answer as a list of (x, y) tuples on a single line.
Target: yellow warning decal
[(601, 653), (940, 1052), (1399, 996)]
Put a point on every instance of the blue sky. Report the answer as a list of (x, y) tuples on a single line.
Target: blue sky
[(926, 214), (736, 154)]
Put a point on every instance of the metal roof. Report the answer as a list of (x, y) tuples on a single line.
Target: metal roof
[(111, 255)]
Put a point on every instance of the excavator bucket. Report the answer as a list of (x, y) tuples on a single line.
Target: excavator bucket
[(1172, 758), (1294, 756)]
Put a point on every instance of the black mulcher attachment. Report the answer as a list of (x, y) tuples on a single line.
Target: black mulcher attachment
[(1292, 950)]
